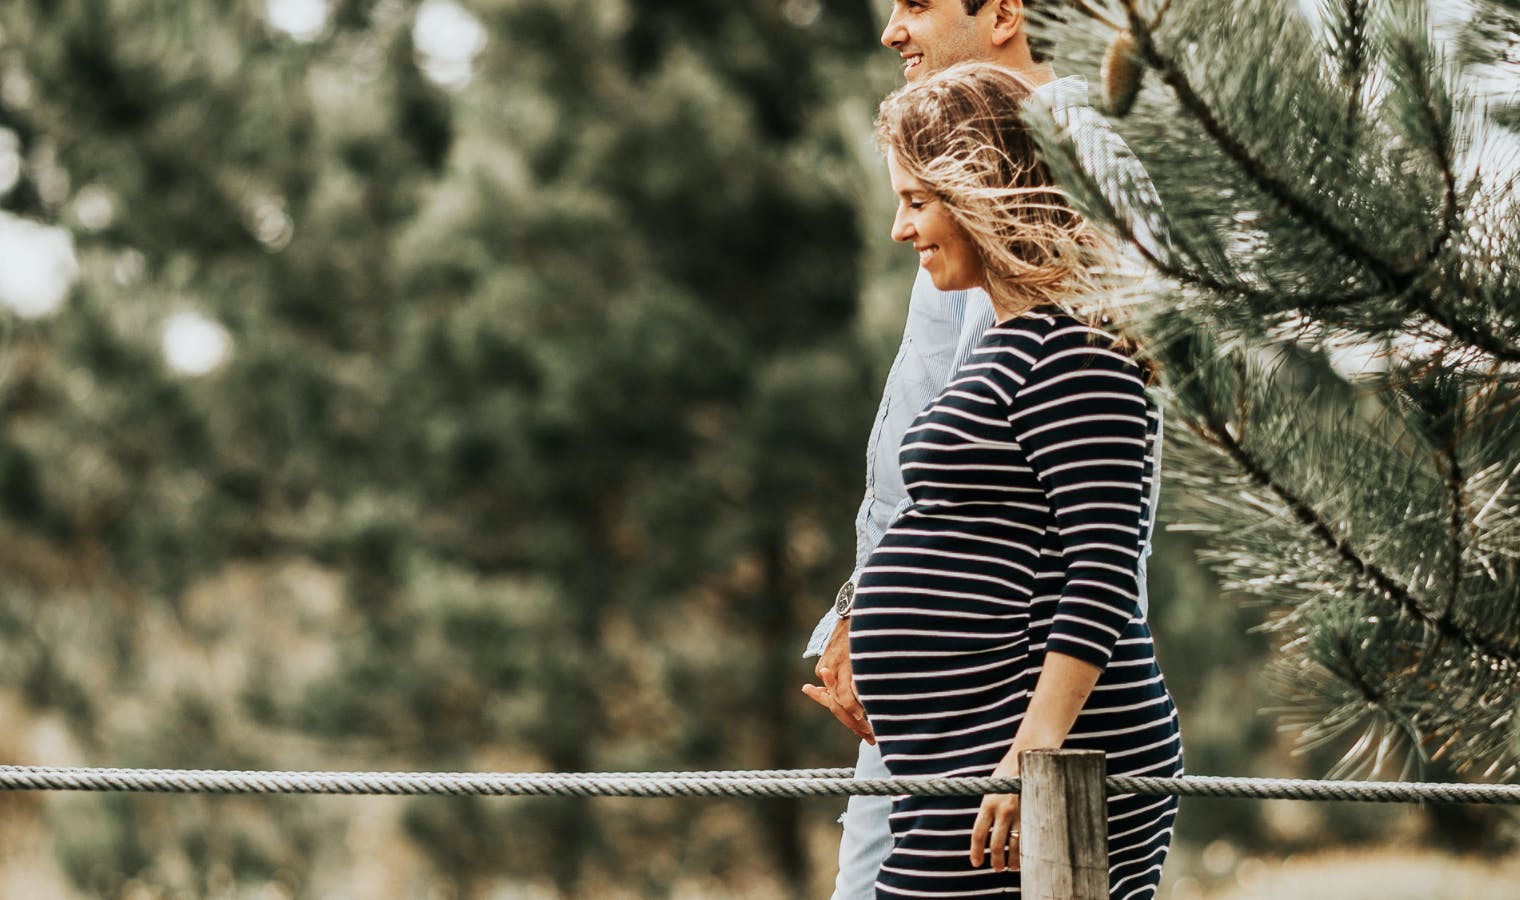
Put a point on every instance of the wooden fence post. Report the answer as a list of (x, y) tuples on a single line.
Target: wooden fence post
[(1063, 832)]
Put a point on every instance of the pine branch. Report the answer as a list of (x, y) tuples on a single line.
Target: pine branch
[(1440, 147), (1338, 675), (1097, 205), (1317, 302), (1470, 334), (1215, 432), (1332, 674), (1354, 675), (1253, 168), (1410, 281), (1352, 41), (1088, 10), (1457, 521)]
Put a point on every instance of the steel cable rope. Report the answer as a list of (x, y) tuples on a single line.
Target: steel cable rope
[(754, 783)]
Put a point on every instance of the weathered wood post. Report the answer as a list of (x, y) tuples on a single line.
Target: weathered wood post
[(1063, 829)]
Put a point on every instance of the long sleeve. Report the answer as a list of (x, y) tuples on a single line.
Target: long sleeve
[(1081, 418)]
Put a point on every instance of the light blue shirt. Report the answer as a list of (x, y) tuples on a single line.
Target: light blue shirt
[(943, 328)]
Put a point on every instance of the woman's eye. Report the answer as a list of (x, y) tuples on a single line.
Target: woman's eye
[(917, 204)]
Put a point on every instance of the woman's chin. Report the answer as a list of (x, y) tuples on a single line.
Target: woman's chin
[(946, 282)]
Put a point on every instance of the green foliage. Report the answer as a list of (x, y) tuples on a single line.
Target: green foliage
[(1361, 211), (1491, 44), (539, 438)]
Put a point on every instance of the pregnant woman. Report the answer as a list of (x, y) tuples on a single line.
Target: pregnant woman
[(1000, 613)]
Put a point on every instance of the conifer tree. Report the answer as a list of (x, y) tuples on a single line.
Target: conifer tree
[(1490, 44), (496, 474), (1332, 248)]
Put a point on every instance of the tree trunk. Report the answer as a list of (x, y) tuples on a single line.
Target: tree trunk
[(781, 818)]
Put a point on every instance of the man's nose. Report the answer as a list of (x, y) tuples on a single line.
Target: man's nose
[(894, 34)]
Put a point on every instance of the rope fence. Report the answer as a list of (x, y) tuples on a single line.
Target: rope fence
[(753, 783)]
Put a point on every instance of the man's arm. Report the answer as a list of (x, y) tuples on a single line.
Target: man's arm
[(837, 694)]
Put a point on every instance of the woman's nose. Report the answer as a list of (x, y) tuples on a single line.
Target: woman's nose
[(902, 228)]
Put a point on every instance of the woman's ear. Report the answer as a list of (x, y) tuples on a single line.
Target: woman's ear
[(1007, 21)]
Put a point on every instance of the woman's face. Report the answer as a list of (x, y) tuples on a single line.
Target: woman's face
[(944, 248)]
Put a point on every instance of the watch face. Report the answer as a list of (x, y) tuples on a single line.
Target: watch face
[(845, 601)]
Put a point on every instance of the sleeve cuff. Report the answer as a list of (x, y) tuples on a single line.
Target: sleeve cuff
[(821, 632), (1086, 651), (825, 626)]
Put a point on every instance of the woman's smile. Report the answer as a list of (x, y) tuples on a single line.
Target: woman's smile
[(924, 220)]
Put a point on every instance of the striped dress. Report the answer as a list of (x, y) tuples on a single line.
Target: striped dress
[(1029, 477)]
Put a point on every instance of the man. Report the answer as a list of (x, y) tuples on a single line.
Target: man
[(942, 329)]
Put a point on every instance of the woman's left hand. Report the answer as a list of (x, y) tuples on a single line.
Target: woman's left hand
[(997, 823)]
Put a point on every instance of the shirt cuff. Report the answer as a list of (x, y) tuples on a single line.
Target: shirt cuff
[(821, 632), (825, 626)]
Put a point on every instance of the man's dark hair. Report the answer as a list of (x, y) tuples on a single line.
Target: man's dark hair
[(975, 6)]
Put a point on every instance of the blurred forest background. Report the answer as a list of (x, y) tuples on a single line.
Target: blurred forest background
[(484, 386)]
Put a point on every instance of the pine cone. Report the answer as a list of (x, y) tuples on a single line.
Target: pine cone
[(1122, 74)]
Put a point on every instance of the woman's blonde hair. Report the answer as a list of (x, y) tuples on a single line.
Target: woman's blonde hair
[(961, 134)]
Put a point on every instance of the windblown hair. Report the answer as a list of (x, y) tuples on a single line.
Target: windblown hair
[(960, 133)]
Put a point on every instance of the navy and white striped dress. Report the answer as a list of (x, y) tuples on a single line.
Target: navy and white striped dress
[(1029, 477)]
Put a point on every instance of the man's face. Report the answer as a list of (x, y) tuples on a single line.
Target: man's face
[(935, 34)]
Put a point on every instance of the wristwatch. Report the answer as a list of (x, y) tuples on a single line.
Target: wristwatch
[(844, 601)]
